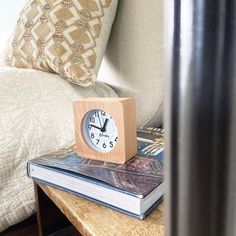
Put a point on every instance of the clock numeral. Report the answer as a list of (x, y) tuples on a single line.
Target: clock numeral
[(92, 119), (92, 135), (111, 144), (90, 127), (104, 113), (96, 114), (104, 145), (116, 139), (97, 141)]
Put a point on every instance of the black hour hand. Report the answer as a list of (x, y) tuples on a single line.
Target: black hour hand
[(94, 126)]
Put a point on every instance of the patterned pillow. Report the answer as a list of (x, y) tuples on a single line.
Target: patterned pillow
[(67, 37)]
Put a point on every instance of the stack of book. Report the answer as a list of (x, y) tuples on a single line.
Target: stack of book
[(134, 188)]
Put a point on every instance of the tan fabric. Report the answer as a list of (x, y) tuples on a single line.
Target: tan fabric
[(134, 61), (63, 36)]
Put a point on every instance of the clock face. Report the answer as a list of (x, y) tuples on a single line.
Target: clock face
[(99, 130)]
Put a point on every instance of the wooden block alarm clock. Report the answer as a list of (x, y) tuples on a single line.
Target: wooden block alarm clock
[(105, 129)]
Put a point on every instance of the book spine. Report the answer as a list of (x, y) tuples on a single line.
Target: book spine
[(141, 217), (28, 169)]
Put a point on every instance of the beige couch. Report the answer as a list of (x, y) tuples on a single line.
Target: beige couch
[(36, 107), (133, 64)]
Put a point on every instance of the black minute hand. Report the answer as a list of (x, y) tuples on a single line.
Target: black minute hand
[(103, 129)]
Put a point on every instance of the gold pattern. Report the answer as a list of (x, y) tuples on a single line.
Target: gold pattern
[(60, 36)]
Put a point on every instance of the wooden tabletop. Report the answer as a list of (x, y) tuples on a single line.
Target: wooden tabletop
[(92, 219)]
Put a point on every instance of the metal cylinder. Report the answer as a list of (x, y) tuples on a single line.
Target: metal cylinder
[(200, 117)]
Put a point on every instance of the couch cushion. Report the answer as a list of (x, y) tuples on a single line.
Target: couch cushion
[(36, 117), (133, 64), (65, 37)]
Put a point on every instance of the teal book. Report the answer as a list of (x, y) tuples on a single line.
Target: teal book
[(134, 188)]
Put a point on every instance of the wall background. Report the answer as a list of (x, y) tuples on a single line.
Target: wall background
[(9, 13)]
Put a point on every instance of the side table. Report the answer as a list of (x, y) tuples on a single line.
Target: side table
[(57, 208)]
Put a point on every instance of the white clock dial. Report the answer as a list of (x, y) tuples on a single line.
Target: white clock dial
[(100, 131)]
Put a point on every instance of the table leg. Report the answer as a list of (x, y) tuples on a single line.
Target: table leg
[(50, 218)]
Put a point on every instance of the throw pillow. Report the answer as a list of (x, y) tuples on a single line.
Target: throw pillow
[(67, 37)]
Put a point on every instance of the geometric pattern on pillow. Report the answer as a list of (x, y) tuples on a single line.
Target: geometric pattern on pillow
[(62, 36)]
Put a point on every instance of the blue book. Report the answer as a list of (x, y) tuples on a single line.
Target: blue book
[(134, 188)]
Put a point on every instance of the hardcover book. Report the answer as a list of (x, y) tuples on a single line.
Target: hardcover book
[(134, 188)]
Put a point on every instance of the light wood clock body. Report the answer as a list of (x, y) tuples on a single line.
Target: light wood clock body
[(105, 129)]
